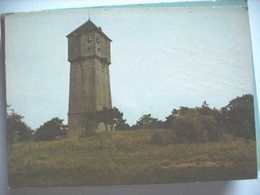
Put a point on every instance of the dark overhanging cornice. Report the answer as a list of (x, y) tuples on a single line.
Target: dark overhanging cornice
[(81, 58)]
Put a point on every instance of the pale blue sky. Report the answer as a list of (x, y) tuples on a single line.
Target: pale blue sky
[(162, 58)]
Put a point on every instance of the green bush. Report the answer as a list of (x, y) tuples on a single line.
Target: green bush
[(214, 130), (50, 130), (192, 126), (189, 127), (122, 126), (17, 130), (246, 131), (238, 117)]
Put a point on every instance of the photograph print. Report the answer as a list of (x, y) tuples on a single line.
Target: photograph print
[(126, 96)]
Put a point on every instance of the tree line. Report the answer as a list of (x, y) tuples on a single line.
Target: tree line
[(199, 124)]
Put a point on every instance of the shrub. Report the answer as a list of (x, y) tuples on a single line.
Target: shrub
[(238, 117), (50, 130), (246, 131), (148, 122), (214, 130), (189, 127), (17, 130), (122, 126)]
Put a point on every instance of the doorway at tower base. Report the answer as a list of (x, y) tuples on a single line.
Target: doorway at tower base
[(101, 127)]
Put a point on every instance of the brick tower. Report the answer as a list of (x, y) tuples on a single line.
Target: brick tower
[(89, 90)]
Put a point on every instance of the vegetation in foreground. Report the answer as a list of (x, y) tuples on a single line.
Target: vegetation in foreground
[(129, 157), (191, 144)]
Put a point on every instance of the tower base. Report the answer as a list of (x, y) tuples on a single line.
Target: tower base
[(76, 129)]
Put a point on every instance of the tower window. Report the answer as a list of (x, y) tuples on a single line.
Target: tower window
[(97, 40), (89, 39)]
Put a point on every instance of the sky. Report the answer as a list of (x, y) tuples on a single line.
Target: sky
[(162, 58)]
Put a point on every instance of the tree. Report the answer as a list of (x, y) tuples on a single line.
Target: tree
[(17, 130), (214, 129), (246, 130), (148, 122), (50, 130), (174, 114), (196, 124), (205, 104), (207, 111), (238, 117), (122, 125), (189, 127), (170, 118), (111, 116), (114, 118), (119, 121)]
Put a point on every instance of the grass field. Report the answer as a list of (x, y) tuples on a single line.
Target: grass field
[(128, 157)]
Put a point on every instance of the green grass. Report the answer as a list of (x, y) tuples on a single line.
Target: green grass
[(128, 157)]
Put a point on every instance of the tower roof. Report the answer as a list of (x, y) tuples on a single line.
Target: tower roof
[(87, 27)]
